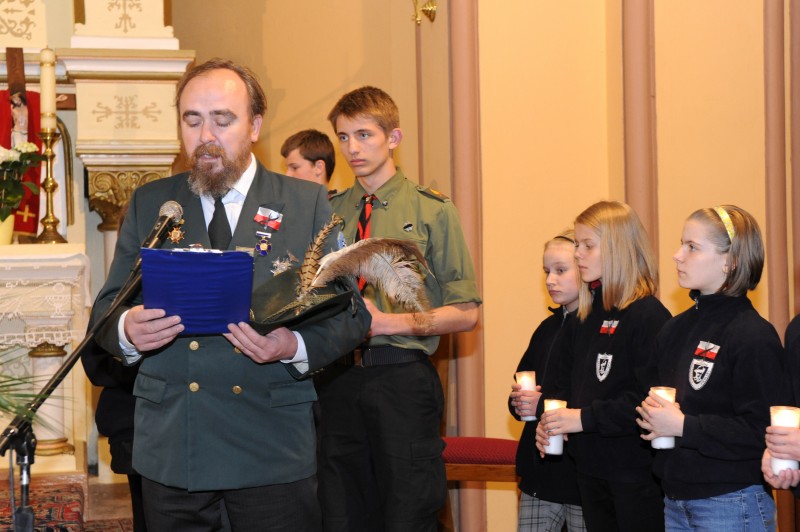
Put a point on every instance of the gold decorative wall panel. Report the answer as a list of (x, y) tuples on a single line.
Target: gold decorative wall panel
[(129, 110), (22, 24), (110, 190)]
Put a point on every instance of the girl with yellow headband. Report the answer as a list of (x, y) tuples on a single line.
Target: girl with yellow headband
[(726, 365)]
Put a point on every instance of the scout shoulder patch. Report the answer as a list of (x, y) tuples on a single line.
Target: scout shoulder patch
[(432, 193), (336, 193)]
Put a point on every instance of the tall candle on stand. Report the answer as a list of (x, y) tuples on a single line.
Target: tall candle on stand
[(784, 416), (556, 441), (47, 88), (527, 380), (664, 442)]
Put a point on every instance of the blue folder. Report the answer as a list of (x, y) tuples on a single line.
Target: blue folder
[(207, 289)]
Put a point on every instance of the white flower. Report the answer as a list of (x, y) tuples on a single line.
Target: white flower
[(26, 147), (5, 155), (8, 156)]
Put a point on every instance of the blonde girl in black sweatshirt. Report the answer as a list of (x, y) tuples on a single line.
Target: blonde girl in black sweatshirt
[(603, 372)]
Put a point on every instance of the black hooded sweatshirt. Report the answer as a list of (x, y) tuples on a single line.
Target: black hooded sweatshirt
[(606, 368), (727, 365), (553, 478)]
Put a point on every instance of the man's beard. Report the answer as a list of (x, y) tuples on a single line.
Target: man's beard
[(203, 180)]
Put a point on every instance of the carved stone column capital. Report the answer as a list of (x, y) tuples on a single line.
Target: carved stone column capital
[(110, 188)]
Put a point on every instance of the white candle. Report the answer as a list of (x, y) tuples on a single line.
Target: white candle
[(784, 416), (527, 380), (556, 442), (664, 442), (47, 88)]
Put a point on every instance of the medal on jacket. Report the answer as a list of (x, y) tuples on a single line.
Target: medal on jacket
[(281, 265), (263, 246), (175, 234), (701, 368)]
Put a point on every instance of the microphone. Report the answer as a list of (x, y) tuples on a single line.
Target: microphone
[(169, 214)]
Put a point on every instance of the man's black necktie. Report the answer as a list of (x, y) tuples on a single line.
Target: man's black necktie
[(364, 227), (219, 230)]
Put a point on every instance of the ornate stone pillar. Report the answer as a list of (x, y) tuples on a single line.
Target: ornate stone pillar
[(126, 123), (46, 360), (125, 63)]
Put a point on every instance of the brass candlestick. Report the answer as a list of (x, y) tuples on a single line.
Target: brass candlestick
[(49, 234)]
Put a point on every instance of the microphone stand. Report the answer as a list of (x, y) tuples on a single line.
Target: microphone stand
[(19, 433)]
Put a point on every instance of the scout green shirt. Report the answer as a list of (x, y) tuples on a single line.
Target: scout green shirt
[(411, 212)]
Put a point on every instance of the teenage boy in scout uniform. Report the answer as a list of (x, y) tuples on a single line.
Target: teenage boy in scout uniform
[(381, 452)]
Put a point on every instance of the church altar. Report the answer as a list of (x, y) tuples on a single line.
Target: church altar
[(44, 302)]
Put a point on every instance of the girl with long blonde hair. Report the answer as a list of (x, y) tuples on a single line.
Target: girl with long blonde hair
[(605, 367)]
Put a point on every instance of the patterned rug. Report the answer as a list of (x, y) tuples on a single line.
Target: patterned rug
[(57, 502)]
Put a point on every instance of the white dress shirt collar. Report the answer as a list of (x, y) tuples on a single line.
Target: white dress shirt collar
[(242, 186)]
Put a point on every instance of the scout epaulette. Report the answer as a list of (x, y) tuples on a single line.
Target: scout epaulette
[(336, 193), (432, 193)]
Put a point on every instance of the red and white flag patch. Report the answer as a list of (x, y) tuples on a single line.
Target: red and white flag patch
[(707, 350), (609, 327)]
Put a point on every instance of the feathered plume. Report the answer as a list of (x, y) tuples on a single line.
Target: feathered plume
[(387, 263), (311, 261)]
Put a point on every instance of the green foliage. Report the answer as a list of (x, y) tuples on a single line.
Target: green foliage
[(15, 392), (13, 165)]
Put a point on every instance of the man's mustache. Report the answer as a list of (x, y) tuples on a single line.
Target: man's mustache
[(209, 149)]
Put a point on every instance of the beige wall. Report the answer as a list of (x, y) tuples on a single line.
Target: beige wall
[(546, 97), (307, 54), (710, 105)]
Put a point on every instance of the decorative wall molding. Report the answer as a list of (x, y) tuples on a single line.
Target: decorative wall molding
[(23, 24), (126, 111), (123, 24), (110, 190)]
